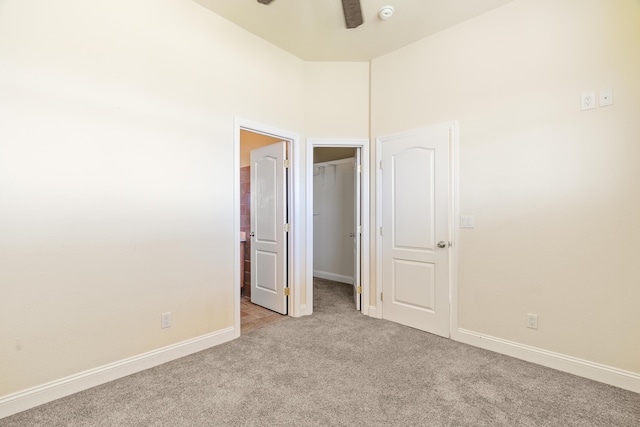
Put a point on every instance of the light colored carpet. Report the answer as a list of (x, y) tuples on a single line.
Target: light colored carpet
[(341, 368)]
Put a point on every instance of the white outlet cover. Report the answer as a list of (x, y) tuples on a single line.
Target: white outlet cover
[(532, 321), (606, 97), (588, 100), (165, 320)]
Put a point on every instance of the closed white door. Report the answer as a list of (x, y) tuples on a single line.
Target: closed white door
[(415, 229), (357, 231), (268, 233)]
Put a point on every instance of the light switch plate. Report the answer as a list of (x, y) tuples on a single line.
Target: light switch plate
[(467, 221)]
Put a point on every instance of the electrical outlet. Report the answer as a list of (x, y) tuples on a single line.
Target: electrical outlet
[(532, 321), (165, 320), (588, 100)]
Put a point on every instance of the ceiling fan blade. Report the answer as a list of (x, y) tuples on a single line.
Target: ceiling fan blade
[(265, 1), (352, 13)]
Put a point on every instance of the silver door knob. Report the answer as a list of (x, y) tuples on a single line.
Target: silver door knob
[(442, 244)]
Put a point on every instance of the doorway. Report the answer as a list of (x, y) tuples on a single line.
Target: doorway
[(249, 141), (272, 273), (336, 238), (326, 160)]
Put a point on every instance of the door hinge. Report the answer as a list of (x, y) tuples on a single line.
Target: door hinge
[(359, 168), (287, 292), (287, 228), (287, 163), (381, 231), (381, 296), (359, 290), (359, 229), (380, 164)]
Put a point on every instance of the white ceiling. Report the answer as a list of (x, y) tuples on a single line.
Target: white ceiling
[(314, 30)]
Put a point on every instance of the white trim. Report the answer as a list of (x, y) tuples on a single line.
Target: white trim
[(332, 276), (376, 231), (455, 228), (236, 226), (363, 144), (295, 220), (32, 397), (373, 312), (573, 365)]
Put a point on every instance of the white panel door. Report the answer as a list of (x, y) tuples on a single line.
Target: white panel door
[(415, 229), (268, 235), (357, 235)]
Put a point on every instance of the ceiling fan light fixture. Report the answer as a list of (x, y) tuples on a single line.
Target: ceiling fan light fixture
[(386, 12)]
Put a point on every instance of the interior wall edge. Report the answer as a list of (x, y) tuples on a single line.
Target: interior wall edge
[(39, 395), (583, 368)]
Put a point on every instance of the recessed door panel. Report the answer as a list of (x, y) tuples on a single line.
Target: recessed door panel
[(413, 199), (414, 284), (266, 198), (266, 271)]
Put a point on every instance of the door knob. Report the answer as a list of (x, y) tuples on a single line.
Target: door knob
[(352, 234), (442, 244)]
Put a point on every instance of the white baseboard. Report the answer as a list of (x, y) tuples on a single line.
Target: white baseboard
[(332, 276), (373, 312), (32, 397), (305, 310), (582, 368)]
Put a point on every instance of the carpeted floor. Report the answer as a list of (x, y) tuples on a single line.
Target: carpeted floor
[(341, 368)]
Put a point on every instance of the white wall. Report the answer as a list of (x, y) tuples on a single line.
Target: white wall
[(116, 171), (554, 190), (333, 220), (337, 99)]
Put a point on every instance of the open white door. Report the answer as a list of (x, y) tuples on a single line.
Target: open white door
[(415, 229), (268, 221), (357, 231)]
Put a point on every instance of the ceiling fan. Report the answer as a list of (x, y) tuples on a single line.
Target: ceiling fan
[(351, 8)]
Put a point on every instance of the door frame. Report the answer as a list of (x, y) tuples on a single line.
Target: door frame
[(363, 144), (294, 214), (454, 219)]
